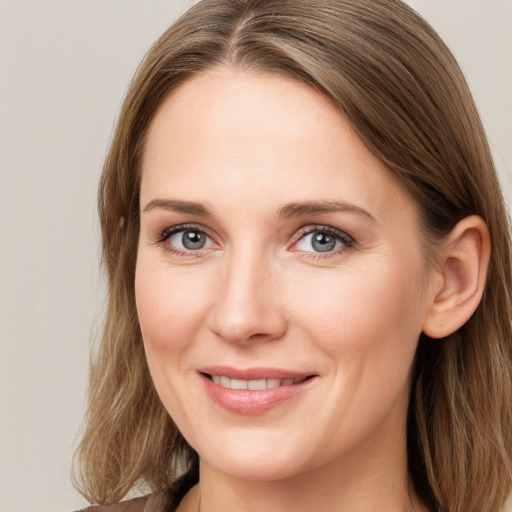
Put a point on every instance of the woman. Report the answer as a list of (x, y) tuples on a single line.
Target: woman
[(308, 260)]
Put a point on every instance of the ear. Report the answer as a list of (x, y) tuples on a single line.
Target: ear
[(462, 270)]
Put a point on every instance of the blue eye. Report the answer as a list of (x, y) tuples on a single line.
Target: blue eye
[(184, 239), (323, 240)]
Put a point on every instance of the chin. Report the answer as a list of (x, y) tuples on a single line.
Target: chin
[(254, 469), (258, 459)]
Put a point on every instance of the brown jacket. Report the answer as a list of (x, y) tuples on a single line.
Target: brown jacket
[(156, 502), (162, 501)]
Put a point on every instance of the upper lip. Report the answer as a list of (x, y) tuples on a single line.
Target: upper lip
[(253, 373)]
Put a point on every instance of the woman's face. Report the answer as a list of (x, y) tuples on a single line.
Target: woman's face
[(276, 255)]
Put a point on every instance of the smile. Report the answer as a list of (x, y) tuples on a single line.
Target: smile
[(253, 391), (254, 385)]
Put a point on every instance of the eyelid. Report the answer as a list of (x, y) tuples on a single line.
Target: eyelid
[(311, 228), (165, 234), (170, 230), (347, 240)]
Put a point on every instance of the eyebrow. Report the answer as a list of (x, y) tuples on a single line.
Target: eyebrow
[(178, 206), (287, 211), (314, 207)]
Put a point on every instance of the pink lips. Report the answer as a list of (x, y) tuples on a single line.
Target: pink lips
[(267, 387)]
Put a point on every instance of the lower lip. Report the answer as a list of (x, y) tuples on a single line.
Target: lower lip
[(243, 401)]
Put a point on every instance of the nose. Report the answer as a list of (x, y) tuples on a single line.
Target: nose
[(247, 307)]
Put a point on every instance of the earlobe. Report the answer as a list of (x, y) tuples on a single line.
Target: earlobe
[(463, 271)]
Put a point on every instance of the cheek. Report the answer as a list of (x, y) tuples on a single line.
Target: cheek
[(359, 313), (169, 307), (170, 316)]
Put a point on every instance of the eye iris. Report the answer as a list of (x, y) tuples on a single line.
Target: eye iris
[(193, 240), (323, 242)]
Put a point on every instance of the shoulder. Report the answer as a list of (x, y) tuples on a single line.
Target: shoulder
[(156, 502), (160, 501)]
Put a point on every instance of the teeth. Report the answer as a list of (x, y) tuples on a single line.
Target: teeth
[(239, 384), (258, 384), (273, 383)]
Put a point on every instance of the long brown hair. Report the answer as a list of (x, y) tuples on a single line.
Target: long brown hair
[(402, 91)]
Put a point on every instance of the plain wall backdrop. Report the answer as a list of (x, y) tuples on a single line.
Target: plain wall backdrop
[(64, 68)]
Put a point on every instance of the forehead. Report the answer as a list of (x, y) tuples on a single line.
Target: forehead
[(263, 136)]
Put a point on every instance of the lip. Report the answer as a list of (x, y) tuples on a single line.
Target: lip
[(253, 402), (253, 373)]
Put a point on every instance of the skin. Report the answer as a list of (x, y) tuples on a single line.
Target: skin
[(259, 295)]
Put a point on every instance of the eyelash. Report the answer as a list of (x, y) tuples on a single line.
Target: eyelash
[(347, 241), (168, 232)]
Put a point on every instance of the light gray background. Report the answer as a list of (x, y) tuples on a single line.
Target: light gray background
[(64, 67)]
